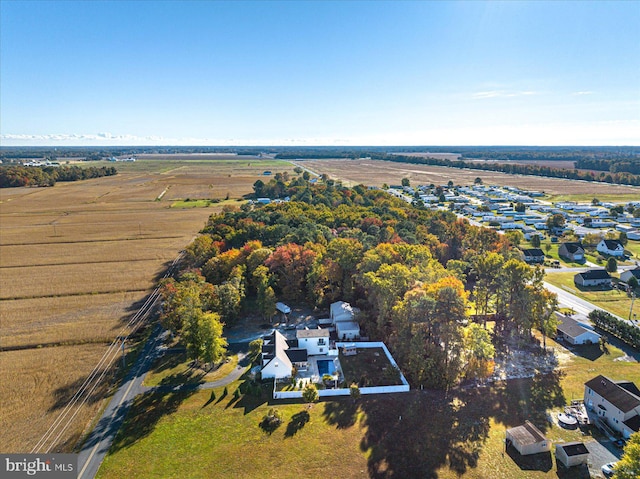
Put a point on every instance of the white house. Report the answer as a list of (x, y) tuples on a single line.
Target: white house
[(593, 277), (574, 333), (616, 402), (527, 439), (610, 247), (275, 362), (315, 341)]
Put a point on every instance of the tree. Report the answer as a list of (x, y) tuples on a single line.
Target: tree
[(633, 282), (555, 221), (354, 391), (406, 182), (623, 238), (595, 202), (629, 466), (310, 394), (477, 181), (258, 188), (520, 207), (612, 265), (535, 241), (515, 237), (203, 337), (255, 349), (450, 184)]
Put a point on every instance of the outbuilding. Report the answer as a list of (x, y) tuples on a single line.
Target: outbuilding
[(527, 439), (571, 454)]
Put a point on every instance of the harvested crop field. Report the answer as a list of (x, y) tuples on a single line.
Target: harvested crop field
[(76, 262), (377, 172)]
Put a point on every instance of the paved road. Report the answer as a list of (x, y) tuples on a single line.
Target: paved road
[(99, 441)]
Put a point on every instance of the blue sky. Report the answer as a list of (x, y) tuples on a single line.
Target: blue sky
[(320, 73)]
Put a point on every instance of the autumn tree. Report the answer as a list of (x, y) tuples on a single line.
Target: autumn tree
[(628, 467), (290, 264)]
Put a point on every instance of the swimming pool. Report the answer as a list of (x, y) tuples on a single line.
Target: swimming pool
[(326, 366)]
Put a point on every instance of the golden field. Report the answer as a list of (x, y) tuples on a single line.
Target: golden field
[(77, 260)]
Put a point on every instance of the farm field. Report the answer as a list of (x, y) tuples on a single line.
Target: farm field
[(420, 434), (377, 172), (76, 262)]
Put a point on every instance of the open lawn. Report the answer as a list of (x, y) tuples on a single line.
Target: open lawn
[(612, 300), (420, 434), (376, 172), (77, 260), (176, 369)]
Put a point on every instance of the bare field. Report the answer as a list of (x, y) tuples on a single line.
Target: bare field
[(376, 172), (35, 384), (75, 260)]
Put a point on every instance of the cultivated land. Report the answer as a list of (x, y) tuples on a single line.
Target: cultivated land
[(376, 172), (78, 259), (421, 434)]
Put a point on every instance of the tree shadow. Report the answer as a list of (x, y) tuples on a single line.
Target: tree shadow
[(532, 462), (297, 422), (64, 394), (340, 413), (589, 351), (145, 413), (575, 472)]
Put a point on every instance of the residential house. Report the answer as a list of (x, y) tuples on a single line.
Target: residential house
[(571, 454), (573, 251), (574, 333), (611, 247), (593, 277), (533, 255), (627, 275), (527, 439), (616, 402), (315, 341), (275, 360)]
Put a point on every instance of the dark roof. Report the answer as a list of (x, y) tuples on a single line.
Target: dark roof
[(612, 244), (629, 386), (533, 252), (620, 397), (595, 274), (526, 434), (297, 355), (570, 327), (572, 248), (633, 423), (292, 343), (574, 448), (634, 272)]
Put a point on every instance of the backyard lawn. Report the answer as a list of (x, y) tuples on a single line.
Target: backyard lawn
[(420, 434), (175, 369)]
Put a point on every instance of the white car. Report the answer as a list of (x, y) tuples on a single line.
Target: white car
[(608, 469)]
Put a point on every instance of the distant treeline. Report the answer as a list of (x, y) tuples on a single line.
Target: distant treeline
[(631, 165), (14, 176), (620, 177)]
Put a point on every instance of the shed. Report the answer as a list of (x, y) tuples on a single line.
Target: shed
[(527, 439), (572, 454)]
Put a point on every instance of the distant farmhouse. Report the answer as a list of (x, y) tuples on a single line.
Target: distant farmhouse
[(615, 402), (573, 251), (611, 247), (593, 277)]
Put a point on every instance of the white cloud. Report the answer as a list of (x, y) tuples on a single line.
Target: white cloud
[(580, 93)]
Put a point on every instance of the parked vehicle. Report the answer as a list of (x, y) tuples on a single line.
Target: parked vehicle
[(608, 469)]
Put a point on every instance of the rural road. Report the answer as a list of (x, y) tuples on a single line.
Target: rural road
[(99, 441)]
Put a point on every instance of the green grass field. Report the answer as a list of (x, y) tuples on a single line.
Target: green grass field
[(420, 434), (613, 300), (588, 197), (175, 369)]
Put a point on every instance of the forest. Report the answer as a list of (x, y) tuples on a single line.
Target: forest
[(425, 282), (15, 176)]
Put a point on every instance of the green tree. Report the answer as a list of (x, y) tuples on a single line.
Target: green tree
[(612, 265), (535, 241), (629, 466), (354, 391), (520, 207), (555, 221), (266, 297), (406, 182), (623, 238), (633, 282), (477, 181), (310, 394), (255, 350), (515, 237)]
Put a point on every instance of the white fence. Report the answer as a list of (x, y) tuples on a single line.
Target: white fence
[(400, 388)]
